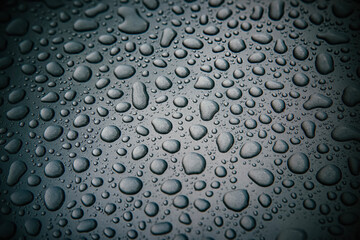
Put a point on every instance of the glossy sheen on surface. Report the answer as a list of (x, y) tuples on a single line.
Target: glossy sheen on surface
[(157, 119)]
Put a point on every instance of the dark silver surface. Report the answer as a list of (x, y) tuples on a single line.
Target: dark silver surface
[(160, 119)]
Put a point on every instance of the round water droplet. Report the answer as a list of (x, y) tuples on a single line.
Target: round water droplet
[(263, 177), (329, 175), (250, 150), (171, 186), (162, 125), (54, 169), (236, 200), (193, 163), (130, 185), (54, 198), (298, 163), (110, 133)]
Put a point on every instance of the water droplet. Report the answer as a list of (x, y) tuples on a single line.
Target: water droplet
[(110, 133), (250, 150), (130, 185), (54, 198), (193, 163), (263, 177), (329, 175), (236, 200)]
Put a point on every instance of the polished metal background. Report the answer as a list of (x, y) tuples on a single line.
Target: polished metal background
[(161, 119)]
